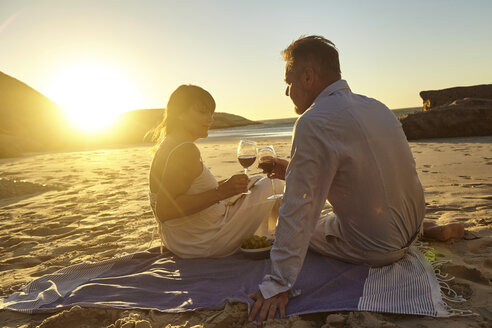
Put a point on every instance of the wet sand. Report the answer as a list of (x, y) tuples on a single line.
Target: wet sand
[(60, 209)]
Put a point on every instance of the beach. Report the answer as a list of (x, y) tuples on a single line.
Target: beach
[(63, 208)]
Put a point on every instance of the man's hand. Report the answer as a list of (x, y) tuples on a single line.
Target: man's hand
[(279, 167), (268, 307)]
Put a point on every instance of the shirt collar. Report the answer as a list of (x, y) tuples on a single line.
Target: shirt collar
[(332, 88), (329, 90)]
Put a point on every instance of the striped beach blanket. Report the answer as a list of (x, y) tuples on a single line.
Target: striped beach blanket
[(151, 280)]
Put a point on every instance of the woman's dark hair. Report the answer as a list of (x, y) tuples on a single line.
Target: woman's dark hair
[(314, 50), (180, 101)]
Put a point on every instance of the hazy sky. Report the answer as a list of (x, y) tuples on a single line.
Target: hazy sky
[(133, 54)]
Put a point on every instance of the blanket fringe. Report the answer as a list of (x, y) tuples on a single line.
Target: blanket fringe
[(152, 237), (156, 230), (448, 294)]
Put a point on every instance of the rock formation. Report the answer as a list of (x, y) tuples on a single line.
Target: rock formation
[(436, 98), (31, 122), (132, 127), (460, 118), (226, 120), (28, 120)]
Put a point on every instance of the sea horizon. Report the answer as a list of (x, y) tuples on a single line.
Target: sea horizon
[(275, 128)]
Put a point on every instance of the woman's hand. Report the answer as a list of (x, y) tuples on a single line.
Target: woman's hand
[(234, 185), (279, 167)]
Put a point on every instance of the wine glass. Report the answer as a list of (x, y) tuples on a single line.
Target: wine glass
[(265, 162), (246, 155)]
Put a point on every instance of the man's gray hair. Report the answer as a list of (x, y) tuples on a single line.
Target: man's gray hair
[(313, 50)]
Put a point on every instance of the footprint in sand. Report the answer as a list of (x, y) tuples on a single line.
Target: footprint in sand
[(480, 246), (69, 176), (487, 263), (438, 208), (479, 197), (462, 289), (23, 261), (483, 222), (476, 185), (45, 232), (66, 220), (117, 194), (464, 272), (64, 201), (24, 248), (64, 208)]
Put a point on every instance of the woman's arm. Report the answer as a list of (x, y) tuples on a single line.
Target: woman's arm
[(183, 167)]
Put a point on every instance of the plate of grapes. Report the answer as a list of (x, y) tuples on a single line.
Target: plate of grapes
[(256, 247)]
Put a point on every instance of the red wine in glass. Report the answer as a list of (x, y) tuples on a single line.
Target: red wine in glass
[(266, 167), (266, 157), (246, 160), (246, 155)]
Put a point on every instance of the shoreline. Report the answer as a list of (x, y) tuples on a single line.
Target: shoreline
[(235, 139)]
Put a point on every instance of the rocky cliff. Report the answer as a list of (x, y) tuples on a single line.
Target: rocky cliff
[(133, 126), (28, 120), (436, 98), (31, 122), (462, 118), (445, 115)]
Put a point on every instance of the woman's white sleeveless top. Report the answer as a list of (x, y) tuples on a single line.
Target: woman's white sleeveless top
[(217, 230)]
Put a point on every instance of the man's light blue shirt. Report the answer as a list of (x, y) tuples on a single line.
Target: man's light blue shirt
[(350, 150)]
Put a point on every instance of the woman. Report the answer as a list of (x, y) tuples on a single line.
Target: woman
[(195, 213)]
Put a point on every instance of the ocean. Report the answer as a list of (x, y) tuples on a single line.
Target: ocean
[(274, 128)]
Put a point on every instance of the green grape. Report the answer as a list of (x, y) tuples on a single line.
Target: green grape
[(255, 241)]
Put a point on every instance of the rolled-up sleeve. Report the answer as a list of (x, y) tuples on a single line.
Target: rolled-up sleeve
[(308, 179)]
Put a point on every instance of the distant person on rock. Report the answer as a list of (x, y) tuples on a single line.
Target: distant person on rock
[(350, 150)]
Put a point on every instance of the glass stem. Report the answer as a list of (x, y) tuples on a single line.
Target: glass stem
[(246, 170)]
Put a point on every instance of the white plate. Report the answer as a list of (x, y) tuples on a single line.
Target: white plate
[(257, 253)]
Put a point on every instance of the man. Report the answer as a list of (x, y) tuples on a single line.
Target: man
[(347, 149)]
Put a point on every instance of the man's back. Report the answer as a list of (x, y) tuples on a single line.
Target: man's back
[(350, 150), (376, 192)]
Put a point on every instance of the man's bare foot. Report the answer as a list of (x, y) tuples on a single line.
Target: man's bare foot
[(445, 232)]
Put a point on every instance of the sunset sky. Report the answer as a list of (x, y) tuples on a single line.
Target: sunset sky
[(113, 56)]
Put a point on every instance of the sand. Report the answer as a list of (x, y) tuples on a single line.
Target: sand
[(60, 209)]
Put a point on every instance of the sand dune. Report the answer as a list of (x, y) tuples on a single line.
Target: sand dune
[(59, 209)]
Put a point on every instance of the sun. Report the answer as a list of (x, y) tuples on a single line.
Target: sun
[(93, 95)]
